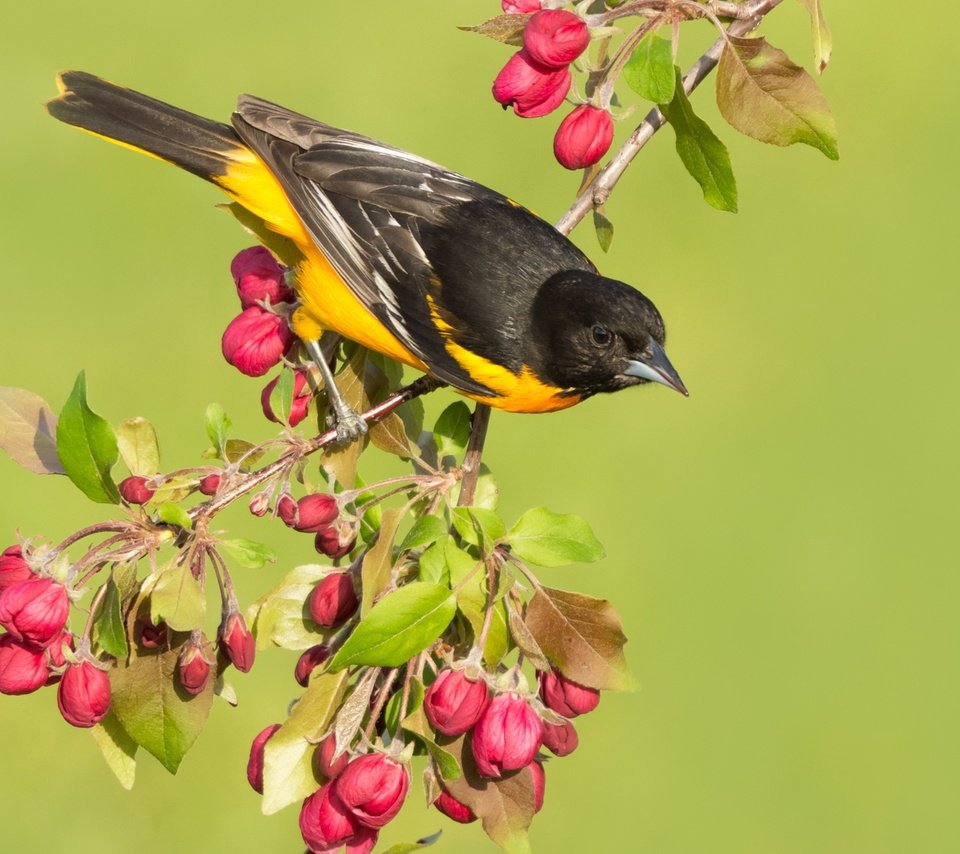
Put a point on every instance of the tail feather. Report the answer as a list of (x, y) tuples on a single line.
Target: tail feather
[(201, 146)]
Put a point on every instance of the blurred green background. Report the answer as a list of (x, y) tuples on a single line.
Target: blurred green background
[(780, 544)]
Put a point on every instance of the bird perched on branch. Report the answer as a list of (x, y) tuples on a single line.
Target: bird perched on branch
[(403, 256)]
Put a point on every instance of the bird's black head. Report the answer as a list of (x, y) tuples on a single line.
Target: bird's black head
[(595, 334)]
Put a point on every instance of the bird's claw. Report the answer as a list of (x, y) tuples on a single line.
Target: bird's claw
[(350, 427)]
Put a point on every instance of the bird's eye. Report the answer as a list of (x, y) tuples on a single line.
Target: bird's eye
[(601, 335)]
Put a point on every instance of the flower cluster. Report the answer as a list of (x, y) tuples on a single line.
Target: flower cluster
[(537, 79)]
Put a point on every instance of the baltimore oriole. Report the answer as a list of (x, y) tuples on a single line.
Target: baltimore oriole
[(403, 256)]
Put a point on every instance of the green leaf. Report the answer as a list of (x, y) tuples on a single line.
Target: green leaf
[(288, 756), (281, 397), (433, 563), (155, 712), (416, 722), (545, 538), (279, 618), (27, 430), (174, 514), (176, 597), (452, 430), (701, 152), (414, 699), (582, 636), (237, 450), (649, 71), (763, 94), (407, 847), (87, 447), (111, 633), (399, 626), (137, 443), (604, 229), (377, 568), (426, 530), (217, 426), (478, 526), (249, 553), (118, 749), (822, 40)]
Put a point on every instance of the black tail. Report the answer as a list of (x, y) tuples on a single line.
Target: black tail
[(199, 145)]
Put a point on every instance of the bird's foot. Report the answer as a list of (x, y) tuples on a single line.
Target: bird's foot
[(350, 426)]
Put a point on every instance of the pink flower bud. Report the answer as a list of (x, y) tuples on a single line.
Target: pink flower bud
[(452, 808), (520, 7), (310, 514), (35, 610), (193, 667), (335, 541), (530, 88), (255, 341), (311, 658), (260, 504), (255, 762), (210, 484), (507, 736), (23, 666), (561, 739), (566, 697), (372, 788), (54, 650), (13, 568), (134, 490), (326, 825), (237, 643), (555, 37), (539, 784), (152, 636), (324, 763), (333, 600), (454, 703), (302, 395), (259, 277), (583, 137), (83, 695)]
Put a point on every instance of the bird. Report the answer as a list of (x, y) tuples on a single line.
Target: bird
[(401, 255)]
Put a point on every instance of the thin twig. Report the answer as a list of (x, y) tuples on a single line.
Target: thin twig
[(472, 458)]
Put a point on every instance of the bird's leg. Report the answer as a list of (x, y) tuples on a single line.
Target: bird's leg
[(350, 426)]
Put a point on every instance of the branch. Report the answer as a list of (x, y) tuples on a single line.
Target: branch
[(599, 189)]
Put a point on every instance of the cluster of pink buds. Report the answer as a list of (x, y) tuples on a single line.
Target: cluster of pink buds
[(318, 514), (536, 80), (34, 611)]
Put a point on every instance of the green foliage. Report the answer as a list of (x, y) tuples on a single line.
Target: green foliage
[(649, 71), (87, 447)]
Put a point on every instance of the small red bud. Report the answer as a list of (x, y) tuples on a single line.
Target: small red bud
[(454, 703), (326, 825), (259, 277), (23, 666), (333, 600), (135, 490), (237, 643), (35, 610), (13, 568), (566, 697), (310, 514), (561, 739), (152, 636), (210, 484), (311, 658), (324, 763), (260, 504), (193, 667), (83, 695), (583, 137), (255, 341), (255, 762), (520, 7), (299, 406), (507, 736), (373, 788), (335, 541), (530, 88), (555, 37), (452, 808)]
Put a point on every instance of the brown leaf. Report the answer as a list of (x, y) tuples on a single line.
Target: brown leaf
[(377, 568), (582, 636), (27, 431), (504, 28), (351, 714), (524, 640), (504, 806), (389, 434)]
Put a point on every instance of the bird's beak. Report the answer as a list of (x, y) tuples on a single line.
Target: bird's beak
[(656, 368)]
